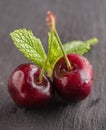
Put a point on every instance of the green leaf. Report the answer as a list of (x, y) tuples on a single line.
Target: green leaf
[(56, 52), (79, 47), (29, 45)]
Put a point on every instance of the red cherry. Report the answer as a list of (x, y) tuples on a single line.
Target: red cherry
[(76, 84), (26, 90)]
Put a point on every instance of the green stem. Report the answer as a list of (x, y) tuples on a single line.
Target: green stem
[(60, 44), (49, 50)]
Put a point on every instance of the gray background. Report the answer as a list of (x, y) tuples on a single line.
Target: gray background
[(77, 19)]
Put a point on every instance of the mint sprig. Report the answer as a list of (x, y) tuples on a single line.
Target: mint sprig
[(29, 45), (32, 48)]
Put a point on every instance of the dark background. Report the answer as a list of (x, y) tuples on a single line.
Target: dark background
[(77, 19)]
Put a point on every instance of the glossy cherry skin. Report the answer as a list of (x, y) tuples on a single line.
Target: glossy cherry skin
[(74, 85), (26, 90)]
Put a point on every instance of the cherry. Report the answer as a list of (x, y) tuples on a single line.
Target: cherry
[(26, 89), (74, 84), (73, 74)]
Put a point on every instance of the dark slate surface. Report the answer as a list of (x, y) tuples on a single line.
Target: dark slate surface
[(77, 19)]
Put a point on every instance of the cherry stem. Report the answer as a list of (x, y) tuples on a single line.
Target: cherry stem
[(51, 21), (61, 46), (47, 60)]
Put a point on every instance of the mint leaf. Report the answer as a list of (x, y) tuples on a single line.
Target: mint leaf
[(79, 47), (56, 52), (29, 45)]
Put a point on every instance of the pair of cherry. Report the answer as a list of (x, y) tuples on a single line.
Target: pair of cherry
[(72, 85), (72, 79)]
